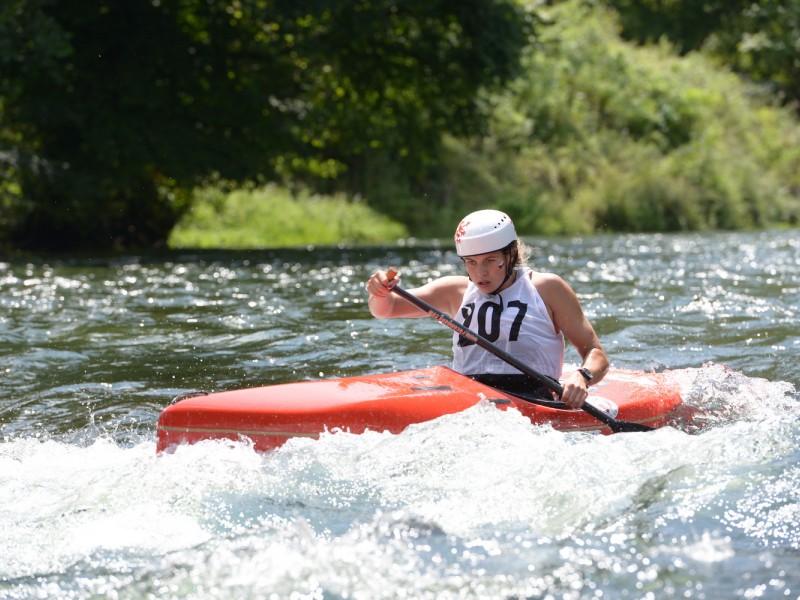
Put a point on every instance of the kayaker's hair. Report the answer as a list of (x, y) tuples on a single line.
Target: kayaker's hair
[(522, 252)]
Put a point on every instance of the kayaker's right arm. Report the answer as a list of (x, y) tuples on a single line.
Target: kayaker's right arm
[(444, 293)]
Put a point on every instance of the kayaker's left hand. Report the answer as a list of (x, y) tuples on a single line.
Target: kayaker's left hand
[(575, 390)]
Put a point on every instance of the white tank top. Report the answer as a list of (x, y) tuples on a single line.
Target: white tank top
[(515, 320)]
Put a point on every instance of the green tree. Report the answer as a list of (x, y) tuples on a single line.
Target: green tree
[(686, 23), (759, 38), (763, 41), (605, 134), (111, 111)]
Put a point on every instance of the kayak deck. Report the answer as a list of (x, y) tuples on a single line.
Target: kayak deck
[(391, 402)]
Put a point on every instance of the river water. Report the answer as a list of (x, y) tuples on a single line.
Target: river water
[(479, 504)]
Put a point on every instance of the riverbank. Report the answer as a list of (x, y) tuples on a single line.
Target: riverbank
[(272, 217)]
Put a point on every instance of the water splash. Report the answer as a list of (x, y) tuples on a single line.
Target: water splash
[(715, 395)]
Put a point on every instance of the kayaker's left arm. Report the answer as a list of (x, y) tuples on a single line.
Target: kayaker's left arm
[(568, 317)]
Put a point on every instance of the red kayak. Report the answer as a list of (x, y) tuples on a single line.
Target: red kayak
[(391, 402)]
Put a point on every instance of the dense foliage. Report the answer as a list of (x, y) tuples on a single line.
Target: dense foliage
[(116, 117), (759, 38), (602, 135), (112, 111)]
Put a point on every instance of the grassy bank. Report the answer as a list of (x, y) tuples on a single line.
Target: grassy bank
[(272, 217)]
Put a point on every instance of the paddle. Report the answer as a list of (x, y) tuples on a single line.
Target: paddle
[(616, 425)]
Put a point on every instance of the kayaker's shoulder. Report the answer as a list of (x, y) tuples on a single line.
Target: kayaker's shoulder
[(550, 286), (454, 281), (451, 284), (550, 280), (443, 293)]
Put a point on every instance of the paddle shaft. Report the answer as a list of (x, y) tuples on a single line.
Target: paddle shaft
[(549, 382)]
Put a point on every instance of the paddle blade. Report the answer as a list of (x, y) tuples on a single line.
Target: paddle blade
[(616, 425), (628, 426)]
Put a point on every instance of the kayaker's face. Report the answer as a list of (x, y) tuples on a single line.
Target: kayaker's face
[(487, 271)]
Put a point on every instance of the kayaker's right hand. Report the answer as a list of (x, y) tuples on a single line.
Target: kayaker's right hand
[(379, 285)]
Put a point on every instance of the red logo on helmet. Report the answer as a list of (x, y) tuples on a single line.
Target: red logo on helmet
[(462, 229)]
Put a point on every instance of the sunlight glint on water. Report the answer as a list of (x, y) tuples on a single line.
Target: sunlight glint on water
[(474, 505)]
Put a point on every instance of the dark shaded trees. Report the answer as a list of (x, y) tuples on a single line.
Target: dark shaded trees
[(112, 111)]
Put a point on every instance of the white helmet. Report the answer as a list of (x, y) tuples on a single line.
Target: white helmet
[(484, 231)]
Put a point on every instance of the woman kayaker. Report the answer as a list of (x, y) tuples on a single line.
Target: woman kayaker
[(526, 313)]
